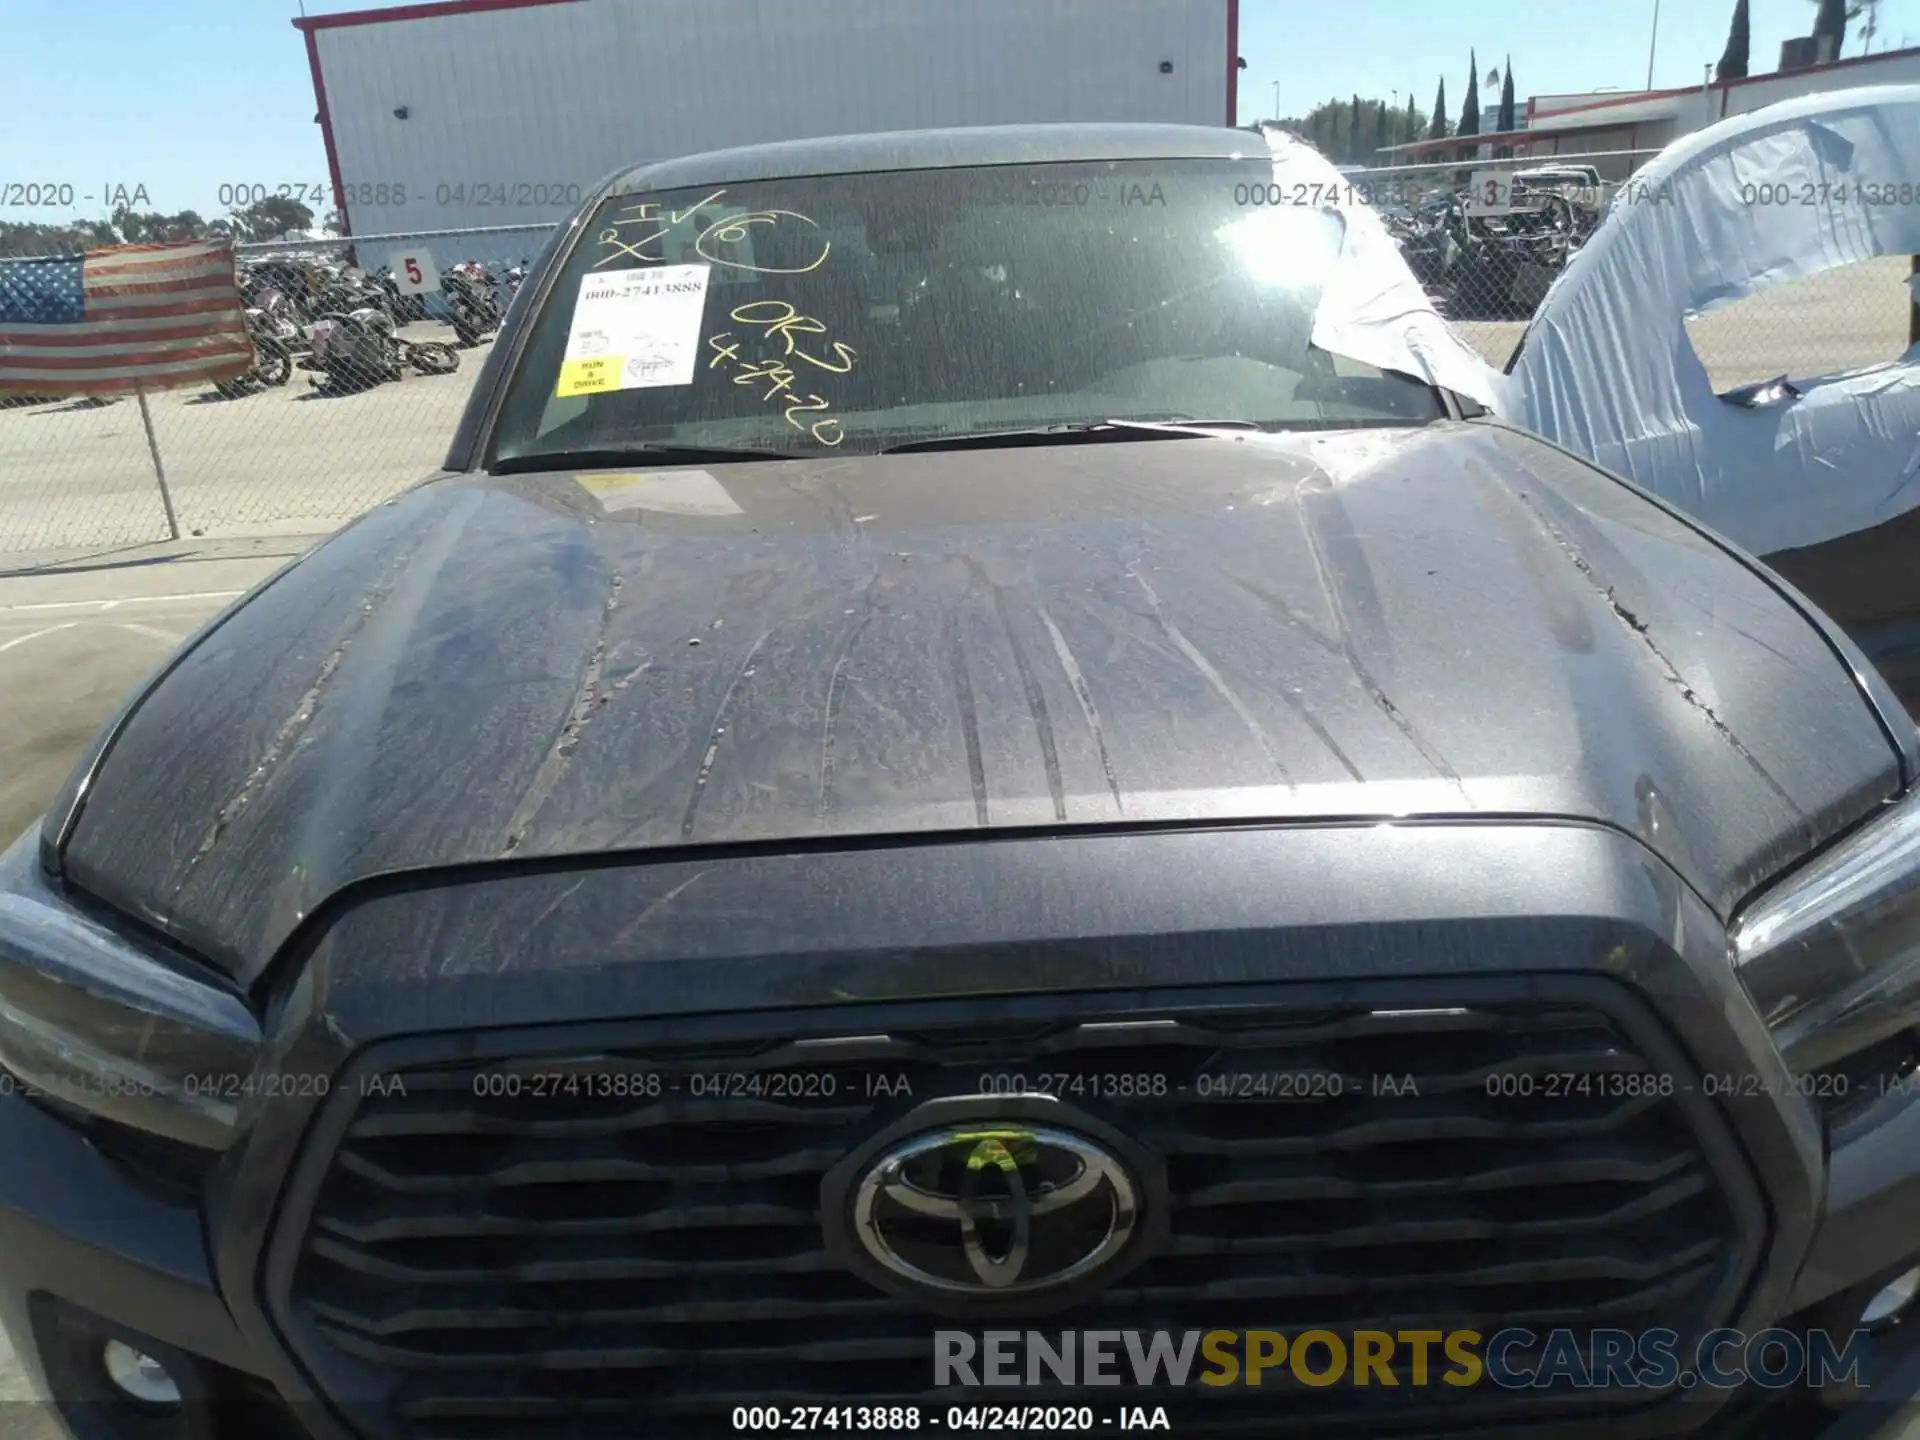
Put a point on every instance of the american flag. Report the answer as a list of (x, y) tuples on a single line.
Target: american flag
[(130, 317)]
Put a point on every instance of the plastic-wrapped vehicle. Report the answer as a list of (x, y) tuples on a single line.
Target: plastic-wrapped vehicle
[(1819, 475)]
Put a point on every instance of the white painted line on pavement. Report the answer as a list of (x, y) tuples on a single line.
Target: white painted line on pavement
[(129, 600), (167, 635), (153, 630), (51, 629)]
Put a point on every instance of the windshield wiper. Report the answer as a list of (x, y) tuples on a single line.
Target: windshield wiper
[(632, 455), (1084, 432)]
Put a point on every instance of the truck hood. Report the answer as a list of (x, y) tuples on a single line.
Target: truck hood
[(1457, 621)]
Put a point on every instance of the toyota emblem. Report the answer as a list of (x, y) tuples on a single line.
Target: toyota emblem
[(997, 1210)]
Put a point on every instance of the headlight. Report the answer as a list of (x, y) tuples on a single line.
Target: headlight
[(90, 1021), (1832, 956)]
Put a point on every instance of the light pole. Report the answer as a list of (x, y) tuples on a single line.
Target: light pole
[(1276, 100), (1652, 41)]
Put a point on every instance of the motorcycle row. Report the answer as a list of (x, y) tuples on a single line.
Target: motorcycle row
[(1489, 267), (344, 324)]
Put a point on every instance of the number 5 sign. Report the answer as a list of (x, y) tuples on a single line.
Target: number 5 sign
[(1490, 194), (414, 272)]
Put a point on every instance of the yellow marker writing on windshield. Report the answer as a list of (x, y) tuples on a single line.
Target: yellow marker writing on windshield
[(733, 229), (778, 318)]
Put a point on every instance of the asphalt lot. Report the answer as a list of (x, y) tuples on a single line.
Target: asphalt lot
[(1840, 320), (73, 642)]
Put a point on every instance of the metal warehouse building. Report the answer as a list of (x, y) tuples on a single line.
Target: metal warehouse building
[(489, 113)]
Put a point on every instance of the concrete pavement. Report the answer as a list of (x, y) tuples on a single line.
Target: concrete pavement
[(291, 461)]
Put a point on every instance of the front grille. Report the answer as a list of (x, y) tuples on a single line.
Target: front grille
[(586, 1257)]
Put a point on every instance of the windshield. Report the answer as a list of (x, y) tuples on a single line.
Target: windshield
[(853, 313)]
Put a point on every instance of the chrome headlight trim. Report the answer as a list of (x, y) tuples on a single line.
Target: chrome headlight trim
[(1831, 956)]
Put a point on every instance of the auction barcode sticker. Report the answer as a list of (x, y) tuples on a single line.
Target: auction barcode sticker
[(635, 329)]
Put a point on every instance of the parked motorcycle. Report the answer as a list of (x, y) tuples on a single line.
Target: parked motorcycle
[(405, 309), (346, 292), (297, 282), (362, 347), (1506, 262), (1426, 240), (281, 319), (473, 296), (273, 335), (1487, 267)]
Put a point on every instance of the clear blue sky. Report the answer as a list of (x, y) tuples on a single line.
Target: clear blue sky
[(182, 96)]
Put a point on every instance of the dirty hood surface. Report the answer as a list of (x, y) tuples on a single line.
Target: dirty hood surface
[(1453, 621)]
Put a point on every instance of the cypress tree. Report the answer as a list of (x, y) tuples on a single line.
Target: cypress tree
[(1832, 20), (1733, 60)]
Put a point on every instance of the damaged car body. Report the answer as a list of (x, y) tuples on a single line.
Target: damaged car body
[(1819, 476), (989, 669)]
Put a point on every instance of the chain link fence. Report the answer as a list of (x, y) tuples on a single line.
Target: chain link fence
[(1486, 237), (341, 414), (355, 394), (1486, 253)]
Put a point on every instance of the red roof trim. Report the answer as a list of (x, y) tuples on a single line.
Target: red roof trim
[(435, 10), (1233, 63), (1822, 69), (1725, 85), (326, 133), (1637, 97), (1518, 139)]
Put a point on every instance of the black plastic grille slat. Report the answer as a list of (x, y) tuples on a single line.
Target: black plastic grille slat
[(607, 1356), (459, 1224), (575, 1264), (590, 1169), (710, 1313), (1536, 1173), (420, 1117), (341, 1321), (612, 1267)]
